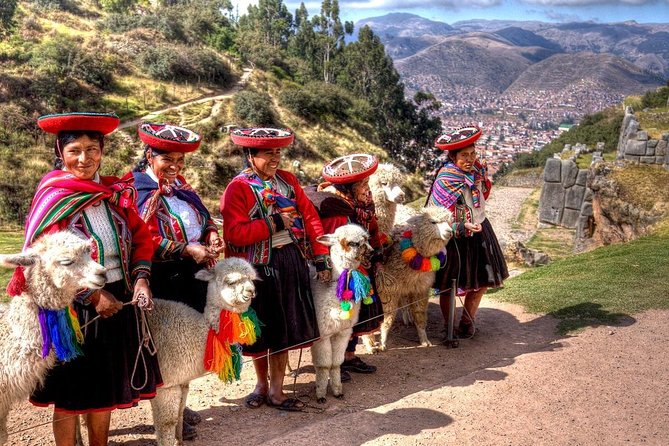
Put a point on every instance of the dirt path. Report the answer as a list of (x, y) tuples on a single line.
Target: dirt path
[(215, 98), (516, 383)]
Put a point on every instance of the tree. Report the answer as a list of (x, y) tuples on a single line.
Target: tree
[(7, 10), (331, 32), (264, 32)]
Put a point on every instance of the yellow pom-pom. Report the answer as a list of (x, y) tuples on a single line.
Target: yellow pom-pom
[(344, 315)]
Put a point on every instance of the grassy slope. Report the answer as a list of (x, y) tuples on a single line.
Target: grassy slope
[(10, 242)]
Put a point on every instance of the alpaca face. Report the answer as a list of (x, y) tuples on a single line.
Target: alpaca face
[(59, 261), (230, 285), (435, 223), (386, 183), (349, 246)]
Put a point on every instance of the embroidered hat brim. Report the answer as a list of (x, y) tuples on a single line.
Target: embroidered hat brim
[(262, 138), (350, 168), (168, 137), (458, 139), (81, 121)]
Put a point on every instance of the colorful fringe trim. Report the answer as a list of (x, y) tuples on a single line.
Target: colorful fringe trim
[(222, 354), (415, 260), (60, 329), (353, 286)]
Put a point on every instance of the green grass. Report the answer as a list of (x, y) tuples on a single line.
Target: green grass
[(10, 241), (603, 286), (584, 161)]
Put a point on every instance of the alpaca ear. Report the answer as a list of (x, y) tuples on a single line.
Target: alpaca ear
[(14, 260), (205, 275), (327, 239)]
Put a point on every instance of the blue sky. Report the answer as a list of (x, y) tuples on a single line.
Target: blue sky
[(449, 11)]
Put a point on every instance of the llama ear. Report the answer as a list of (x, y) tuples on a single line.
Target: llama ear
[(205, 275), (14, 260), (327, 239)]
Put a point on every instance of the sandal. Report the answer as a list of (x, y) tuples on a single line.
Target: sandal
[(254, 400), (289, 404)]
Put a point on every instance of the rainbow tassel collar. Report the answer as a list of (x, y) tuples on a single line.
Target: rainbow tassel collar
[(415, 260), (352, 287), (60, 330), (223, 353)]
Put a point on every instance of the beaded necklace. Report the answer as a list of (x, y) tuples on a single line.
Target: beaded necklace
[(352, 287), (415, 260)]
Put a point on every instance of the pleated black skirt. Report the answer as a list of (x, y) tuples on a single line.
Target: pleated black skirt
[(284, 304), (175, 280), (105, 377), (476, 262)]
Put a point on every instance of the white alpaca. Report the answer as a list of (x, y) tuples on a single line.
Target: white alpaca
[(55, 266), (349, 246), (398, 284), (180, 335), (386, 186)]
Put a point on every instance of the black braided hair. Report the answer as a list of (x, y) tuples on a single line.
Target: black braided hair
[(143, 163), (64, 138), (345, 188), (246, 151)]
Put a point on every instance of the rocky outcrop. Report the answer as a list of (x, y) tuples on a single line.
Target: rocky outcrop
[(616, 220), (636, 146)]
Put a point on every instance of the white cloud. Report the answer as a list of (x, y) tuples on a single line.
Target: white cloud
[(410, 4), (576, 3)]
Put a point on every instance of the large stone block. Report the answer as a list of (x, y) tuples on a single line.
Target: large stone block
[(574, 197), (635, 147), (586, 209), (551, 203), (661, 148), (569, 172), (582, 177), (642, 135), (659, 160), (665, 136), (552, 171), (652, 143), (588, 195), (647, 160), (569, 218), (632, 158)]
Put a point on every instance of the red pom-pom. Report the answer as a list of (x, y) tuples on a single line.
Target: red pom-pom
[(347, 295), (17, 285)]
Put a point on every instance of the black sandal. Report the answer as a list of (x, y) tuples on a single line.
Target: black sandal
[(254, 400), (289, 404)]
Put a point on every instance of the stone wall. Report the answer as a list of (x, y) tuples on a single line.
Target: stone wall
[(635, 146), (565, 199)]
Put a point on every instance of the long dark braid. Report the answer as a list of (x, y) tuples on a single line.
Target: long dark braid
[(143, 163)]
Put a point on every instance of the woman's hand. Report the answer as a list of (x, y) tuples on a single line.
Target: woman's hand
[(214, 243), (287, 219), (142, 295), (199, 253), (473, 227), (105, 303)]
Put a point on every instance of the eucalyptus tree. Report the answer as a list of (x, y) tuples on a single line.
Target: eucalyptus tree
[(330, 32)]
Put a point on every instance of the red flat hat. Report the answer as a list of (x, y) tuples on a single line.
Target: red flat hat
[(168, 137), (460, 138), (262, 138), (350, 168), (71, 122)]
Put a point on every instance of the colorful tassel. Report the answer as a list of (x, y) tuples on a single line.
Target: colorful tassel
[(222, 353), (60, 332), (17, 284), (415, 260)]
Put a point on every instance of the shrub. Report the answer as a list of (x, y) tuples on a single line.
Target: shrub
[(316, 100), (253, 108)]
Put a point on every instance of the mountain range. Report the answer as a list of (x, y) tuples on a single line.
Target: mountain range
[(504, 57)]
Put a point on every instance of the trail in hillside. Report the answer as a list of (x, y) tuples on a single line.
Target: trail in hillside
[(216, 98)]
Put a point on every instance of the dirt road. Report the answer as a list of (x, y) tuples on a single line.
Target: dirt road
[(516, 383)]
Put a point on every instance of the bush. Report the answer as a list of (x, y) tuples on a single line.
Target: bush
[(253, 108), (316, 100), (184, 64)]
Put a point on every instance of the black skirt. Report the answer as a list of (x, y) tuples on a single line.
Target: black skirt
[(105, 376), (371, 316), (175, 280), (476, 262), (284, 303)]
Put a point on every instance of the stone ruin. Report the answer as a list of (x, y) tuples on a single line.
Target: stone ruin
[(635, 146)]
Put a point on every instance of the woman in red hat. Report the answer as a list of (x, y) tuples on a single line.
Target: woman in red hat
[(474, 256), (185, 237), (345, 197), (100, 208), (269, 221)]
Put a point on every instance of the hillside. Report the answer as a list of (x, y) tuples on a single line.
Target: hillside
[(490, 55), (582, 74)]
